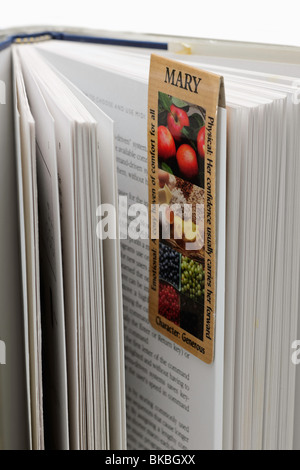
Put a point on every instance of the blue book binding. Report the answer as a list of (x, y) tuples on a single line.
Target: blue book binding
[(61, 36)]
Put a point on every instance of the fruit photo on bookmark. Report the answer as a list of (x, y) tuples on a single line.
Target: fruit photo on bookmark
[(181, 222), (181, 290), (181, 138)]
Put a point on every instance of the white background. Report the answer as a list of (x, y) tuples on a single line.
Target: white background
[(254, 20)]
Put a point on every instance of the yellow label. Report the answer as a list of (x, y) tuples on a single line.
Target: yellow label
[(182, 129)]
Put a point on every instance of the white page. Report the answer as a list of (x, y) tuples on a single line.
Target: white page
[(104, 88), (105, 150), (112, 273), (51, 262), (221, 176), (291, 299), (276, 243), (29, 177), (289, 281), (23, 260), (64, 134), (234, 123), (14, 424), (251, 262), (19, 168), (284, 424), (85, 245), (252, 66)]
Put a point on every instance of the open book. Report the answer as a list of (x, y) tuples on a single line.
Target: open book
[(150, 243)]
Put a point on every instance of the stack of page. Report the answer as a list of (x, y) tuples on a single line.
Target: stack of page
[(133, 340), (62, 141)]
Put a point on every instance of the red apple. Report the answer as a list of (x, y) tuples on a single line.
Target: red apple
[(187, 161), (165, 143), (201, 142), (177, 119)]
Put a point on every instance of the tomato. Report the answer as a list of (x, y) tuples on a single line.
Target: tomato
[(177, 119), (187, 161), (165, 143)]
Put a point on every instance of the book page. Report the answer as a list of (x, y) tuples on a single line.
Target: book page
[(166, 387), (112, 271), (14, 393), (65, 169), (79, 143), (54, 347), (32, 311)]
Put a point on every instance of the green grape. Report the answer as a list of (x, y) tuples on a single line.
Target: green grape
[(192, 278)]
